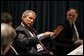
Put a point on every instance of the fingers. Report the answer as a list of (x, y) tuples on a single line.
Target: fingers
[(59, 28), (78, 42), (56, 31)]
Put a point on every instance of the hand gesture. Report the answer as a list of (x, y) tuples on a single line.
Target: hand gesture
[(58, 30)]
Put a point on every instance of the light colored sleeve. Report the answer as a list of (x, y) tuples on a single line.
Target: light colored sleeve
[(40, 36)]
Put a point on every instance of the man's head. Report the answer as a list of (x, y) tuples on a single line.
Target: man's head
[(28, 17), (72, 15), (6, 18), (7, 35)]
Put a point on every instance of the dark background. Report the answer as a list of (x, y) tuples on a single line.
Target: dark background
[(49, 13)]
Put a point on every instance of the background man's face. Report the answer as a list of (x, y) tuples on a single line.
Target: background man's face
[(29, 19), (72, 15)]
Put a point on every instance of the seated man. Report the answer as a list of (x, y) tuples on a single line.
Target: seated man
[(27, 41), (7, 36), (71, 37)]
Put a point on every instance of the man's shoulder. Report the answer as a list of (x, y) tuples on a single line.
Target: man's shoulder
[(20, 28)]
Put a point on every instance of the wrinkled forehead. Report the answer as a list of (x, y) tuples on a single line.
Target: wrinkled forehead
[(31, 14), (72, 11)]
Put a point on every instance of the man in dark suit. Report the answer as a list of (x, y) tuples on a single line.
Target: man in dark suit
[(67, 40), (27, 41)]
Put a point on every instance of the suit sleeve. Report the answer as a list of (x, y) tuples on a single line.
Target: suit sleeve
[(24, 41), (80, 31)]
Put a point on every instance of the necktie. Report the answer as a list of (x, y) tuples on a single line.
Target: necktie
[(75, 32), (39, 43)]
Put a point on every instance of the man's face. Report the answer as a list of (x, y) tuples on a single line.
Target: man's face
[(72, 15), (29, 19)]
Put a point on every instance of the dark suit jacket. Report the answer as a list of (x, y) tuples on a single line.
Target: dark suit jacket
[(25, 44), (63, 43)]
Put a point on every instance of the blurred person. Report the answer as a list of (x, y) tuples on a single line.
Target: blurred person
[(7, 36), (6, 17), (71, 36)]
